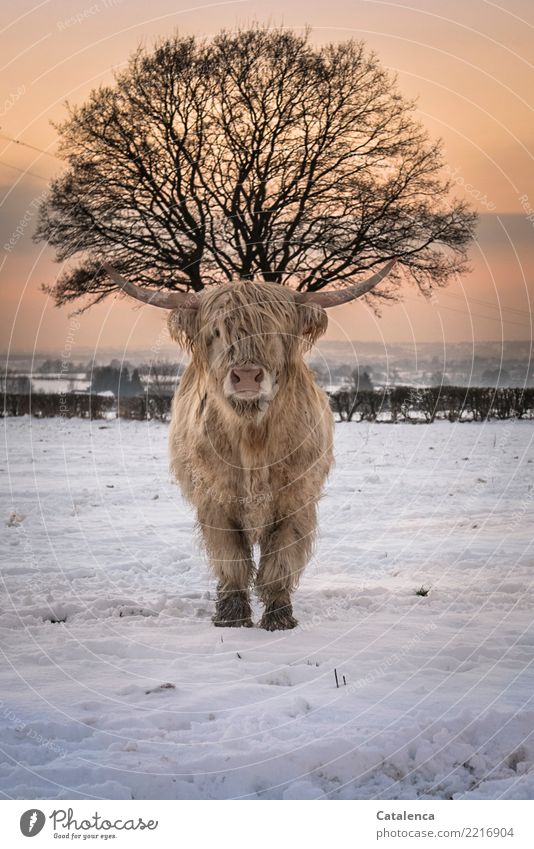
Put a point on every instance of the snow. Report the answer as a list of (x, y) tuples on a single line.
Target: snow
[(59, 386), (115, 684)]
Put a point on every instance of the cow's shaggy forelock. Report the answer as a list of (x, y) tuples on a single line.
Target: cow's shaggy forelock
[(246, 314)]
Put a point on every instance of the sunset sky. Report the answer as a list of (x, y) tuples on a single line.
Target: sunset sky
[(470, 64)]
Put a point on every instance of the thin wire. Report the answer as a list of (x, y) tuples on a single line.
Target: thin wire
[(25, 171), (477, 314), (31, 146), (485, 303)]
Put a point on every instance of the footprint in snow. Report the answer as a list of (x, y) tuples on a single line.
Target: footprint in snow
[(161, 687), (136, 611)]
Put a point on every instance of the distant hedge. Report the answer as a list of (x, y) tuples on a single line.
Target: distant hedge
[(395, 404), (67, 406), (145, 407), (71, 406), (426, 404)]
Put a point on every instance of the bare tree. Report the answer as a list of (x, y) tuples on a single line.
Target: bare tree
[(257, 155), (161, 380)]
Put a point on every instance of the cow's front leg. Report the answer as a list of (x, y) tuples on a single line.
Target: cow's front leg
[(231, 561), (284, 554)]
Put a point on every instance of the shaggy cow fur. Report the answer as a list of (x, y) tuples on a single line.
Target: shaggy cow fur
[(254, 470)]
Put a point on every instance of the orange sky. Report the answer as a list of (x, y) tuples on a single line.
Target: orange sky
[(470, 64)]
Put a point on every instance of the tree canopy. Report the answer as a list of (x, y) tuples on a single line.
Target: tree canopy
[(254, 155)]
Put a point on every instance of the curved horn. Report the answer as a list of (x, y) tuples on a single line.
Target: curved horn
[(342, 296), (166, 300)]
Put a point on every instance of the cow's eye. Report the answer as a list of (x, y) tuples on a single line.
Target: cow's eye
[(216, 332)]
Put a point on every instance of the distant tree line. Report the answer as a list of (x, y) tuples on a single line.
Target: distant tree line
[(16, 383), (394, 404), (58, 366), (119, 378), (463, 373), (116, 380), (159, 379)]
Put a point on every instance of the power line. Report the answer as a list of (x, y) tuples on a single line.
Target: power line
[(25, 171), (31, 146), (469, 312), (500, 319), (489, 304)]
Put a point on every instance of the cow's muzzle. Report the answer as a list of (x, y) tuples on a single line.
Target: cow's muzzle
[(249, 382)]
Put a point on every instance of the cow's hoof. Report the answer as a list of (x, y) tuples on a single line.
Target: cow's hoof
[(232, 611), (278, 618)]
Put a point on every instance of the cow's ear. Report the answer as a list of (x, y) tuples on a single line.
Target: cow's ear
[(312, 322), (183, 326)]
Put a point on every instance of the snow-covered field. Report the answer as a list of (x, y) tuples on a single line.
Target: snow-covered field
[(115, 684)]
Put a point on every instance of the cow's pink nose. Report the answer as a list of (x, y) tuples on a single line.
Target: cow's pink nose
[(246, 379)]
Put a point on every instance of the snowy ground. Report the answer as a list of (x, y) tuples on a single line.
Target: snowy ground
[(106, 598)]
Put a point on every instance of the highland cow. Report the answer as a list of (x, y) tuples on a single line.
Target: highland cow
[(251, 433)]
